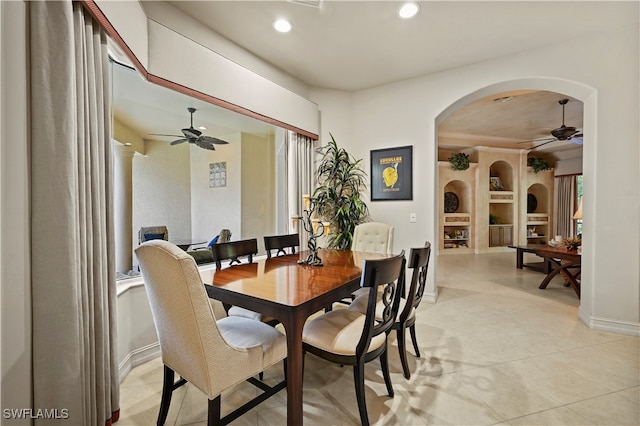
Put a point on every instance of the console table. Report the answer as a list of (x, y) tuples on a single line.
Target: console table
[(565, 262), (544, 266)]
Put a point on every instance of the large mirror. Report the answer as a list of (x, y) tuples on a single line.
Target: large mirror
[(194, 192)]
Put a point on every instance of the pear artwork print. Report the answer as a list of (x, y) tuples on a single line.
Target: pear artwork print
[(391, 174)]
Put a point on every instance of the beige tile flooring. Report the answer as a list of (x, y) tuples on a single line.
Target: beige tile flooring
[(495, 350)]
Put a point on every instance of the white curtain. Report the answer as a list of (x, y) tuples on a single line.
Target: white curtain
[(299, 177), (75, 363), (565, 191)]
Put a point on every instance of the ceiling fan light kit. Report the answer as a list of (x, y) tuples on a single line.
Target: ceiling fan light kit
[(195, 136)]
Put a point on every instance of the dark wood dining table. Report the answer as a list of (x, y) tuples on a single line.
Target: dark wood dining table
[(565, 262), (290, 292)]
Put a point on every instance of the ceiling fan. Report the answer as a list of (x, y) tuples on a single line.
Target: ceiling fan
[(195, 136), (562, 133)]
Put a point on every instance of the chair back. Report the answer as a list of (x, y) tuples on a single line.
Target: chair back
[(234, 250), (190, 340), (281, 243), (419, 263), (374, 237), (147, 233), (386, 278)]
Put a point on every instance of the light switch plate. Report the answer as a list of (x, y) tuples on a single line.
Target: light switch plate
[(412, 218)]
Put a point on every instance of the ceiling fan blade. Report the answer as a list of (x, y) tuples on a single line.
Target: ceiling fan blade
[(177, 141), (213, 140), (160, 134), (544, 143), (202, 143)]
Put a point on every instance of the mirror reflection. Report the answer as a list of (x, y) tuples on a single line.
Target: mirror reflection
[(171, 169)]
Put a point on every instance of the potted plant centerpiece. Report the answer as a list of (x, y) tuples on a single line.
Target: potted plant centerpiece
[(337, 198)]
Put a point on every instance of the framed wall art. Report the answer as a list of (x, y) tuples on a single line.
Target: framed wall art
[(392, 174)]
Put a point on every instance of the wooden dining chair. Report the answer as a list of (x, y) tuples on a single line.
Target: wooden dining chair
[(419, 263), (281, 243), (233, 251), (212, 354), (349, 337)]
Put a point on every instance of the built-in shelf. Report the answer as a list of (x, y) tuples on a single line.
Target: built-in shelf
[(457, 219), (501, 196)]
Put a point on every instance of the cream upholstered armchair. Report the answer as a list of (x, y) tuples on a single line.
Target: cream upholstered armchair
[(375, 237), (349, 337), (211, 355)]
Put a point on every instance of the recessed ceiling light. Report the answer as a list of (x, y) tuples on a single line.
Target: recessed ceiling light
[(202, 128), (408, 10), (282, 25)]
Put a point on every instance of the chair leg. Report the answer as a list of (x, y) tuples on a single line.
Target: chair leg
[(358, 378), (261, 375), (213, 415), (412, 329), (402, 349), (167, 391), (384, 363)]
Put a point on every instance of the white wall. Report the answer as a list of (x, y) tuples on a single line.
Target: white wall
[(407, 113), (213, 209), (162, 190), (258, 189)]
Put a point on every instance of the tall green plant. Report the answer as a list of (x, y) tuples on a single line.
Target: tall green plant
[(337, 197)]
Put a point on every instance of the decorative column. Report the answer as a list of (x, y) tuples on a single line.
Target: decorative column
[(123, 205)]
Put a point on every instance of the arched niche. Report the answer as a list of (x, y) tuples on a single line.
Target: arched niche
[(504, 171), (542, 202), (463, 191)]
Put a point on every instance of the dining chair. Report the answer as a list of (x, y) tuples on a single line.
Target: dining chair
[(281, 243), (374, 237), (234, 251), (419, 263), (212, 354), (348, 337)]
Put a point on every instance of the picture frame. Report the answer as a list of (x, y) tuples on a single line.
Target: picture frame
[(392, 174)]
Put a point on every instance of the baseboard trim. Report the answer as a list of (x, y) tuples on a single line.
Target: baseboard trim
[(611, 325), (137, 357)]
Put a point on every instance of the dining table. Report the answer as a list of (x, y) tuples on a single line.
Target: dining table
[(283, 288)]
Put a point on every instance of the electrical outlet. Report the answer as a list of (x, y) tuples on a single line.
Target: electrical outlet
[(412, 218)]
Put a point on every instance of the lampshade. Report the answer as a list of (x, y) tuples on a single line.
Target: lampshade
[(578, 213)]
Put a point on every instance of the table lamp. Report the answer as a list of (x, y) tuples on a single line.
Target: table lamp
[(578, 213)]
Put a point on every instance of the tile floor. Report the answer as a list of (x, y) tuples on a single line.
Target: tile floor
[(495, 350)]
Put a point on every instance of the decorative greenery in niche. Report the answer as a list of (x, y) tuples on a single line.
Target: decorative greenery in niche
[(341, 182), (493, 219), (538, 164), (459, 161)]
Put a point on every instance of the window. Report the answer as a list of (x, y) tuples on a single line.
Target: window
[(578, 222)]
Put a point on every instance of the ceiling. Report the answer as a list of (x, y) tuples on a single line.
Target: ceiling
[(352, 45)]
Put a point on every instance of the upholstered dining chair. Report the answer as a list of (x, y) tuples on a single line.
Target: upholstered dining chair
[(281, 243), (375, 237), (348, 337), (213, 355), (419, 263)]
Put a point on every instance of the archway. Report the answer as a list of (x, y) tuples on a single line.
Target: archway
[(587, 95)]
